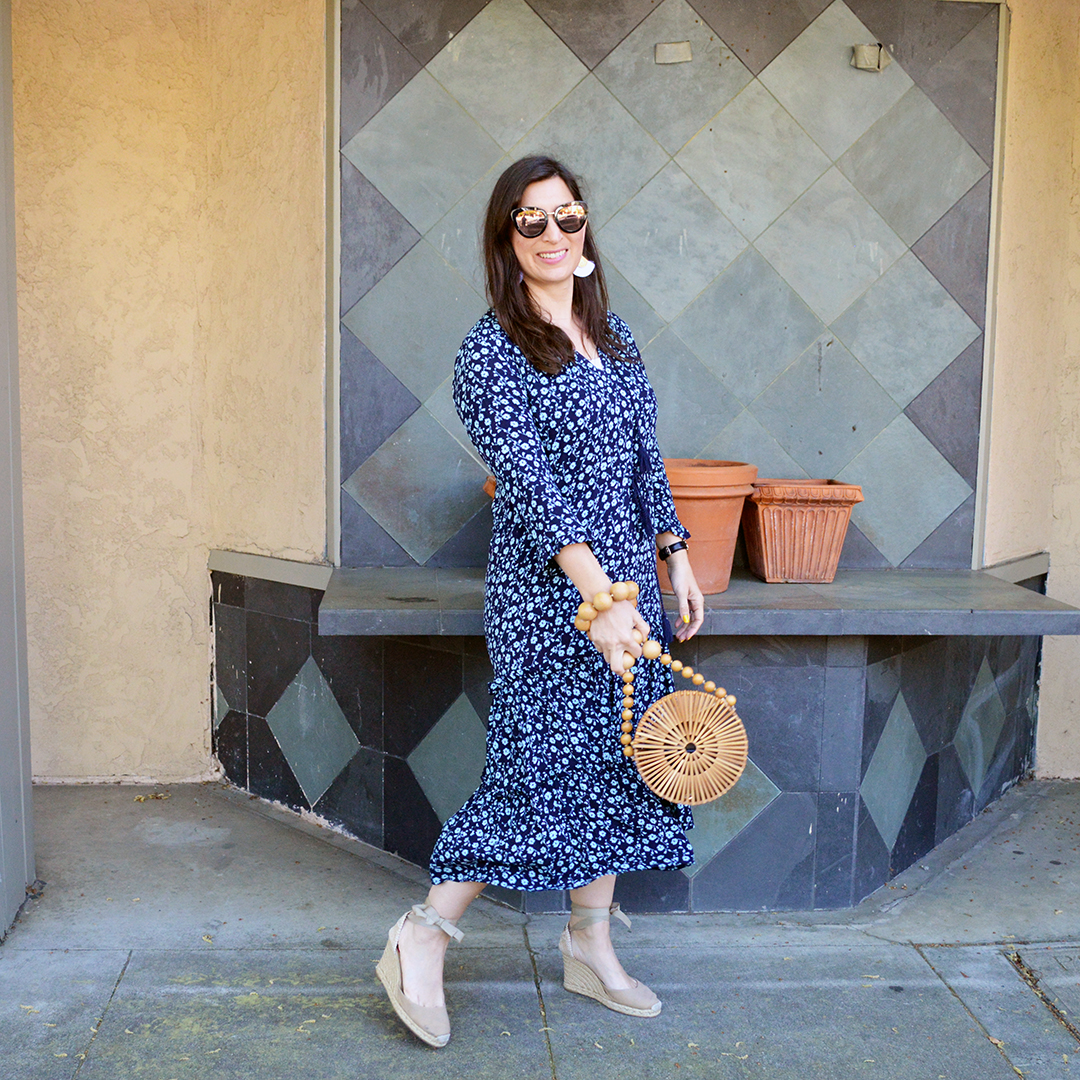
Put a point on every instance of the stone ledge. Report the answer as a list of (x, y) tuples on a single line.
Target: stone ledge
[(380, 601)]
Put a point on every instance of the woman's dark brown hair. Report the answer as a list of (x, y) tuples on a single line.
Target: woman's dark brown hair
[(547, 347)]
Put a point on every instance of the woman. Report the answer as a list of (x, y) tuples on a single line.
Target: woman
[(552, 391)]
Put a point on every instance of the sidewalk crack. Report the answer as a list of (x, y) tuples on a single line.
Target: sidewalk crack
[(101, 1019), (540, 998), (1031, 978)]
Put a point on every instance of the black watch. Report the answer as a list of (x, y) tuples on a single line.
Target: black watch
[(665, 553)]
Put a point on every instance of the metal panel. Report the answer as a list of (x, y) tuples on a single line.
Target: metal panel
[(16, 826)]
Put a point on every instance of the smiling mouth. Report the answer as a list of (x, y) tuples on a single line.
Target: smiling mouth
[(551, 256)]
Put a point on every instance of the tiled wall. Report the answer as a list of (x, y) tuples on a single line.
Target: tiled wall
[(799, 247), (866, 752)]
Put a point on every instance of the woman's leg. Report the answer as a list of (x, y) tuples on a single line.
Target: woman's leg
[(423, 948), (592, 942)]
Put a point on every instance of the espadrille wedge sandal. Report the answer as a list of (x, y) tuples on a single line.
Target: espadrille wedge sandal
[(429, 1024), (579, 978)]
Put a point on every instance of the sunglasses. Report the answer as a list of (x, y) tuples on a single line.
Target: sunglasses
[(531, 221)]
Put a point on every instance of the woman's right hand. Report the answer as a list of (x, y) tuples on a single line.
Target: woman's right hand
[(612, 632)]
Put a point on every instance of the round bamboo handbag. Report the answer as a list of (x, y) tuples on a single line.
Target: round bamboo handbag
[(689, 746)]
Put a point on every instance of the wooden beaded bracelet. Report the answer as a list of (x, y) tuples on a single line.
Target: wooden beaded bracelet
[(651, 650)]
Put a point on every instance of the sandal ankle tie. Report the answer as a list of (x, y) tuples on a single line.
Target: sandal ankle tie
[(426, 914), (585, 916)]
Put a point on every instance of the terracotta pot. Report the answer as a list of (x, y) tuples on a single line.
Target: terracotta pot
[(489, 487), (709, 497), (795, 529)]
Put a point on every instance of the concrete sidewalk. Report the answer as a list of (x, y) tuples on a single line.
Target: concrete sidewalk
[(210, 935)]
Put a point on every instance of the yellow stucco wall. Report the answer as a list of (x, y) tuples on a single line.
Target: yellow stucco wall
[(1033, 478), (171, 245)]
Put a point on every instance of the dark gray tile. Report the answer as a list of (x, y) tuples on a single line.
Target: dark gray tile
[(227, 588), (353, 669), (963, 84), (469, 545), (716, 654), (756, 868), (956, 804), (858, 553), (230, 655), (374, 236), (231, 747), (846, 652), (757, 34), (354, 800), (374, 67), (919, 35), (955, 250), (478, 676), (276, 650), (545, 901), (653, 890), (592, 30), (410, 826), (782, 709), (949, 545), (916, 835), (936, 687), (834, 851), (882, 686), (420, 685), (364, 542), (842, 730), (871, 857), (947, 412), (425, 26), (269, 775), (287, 601)]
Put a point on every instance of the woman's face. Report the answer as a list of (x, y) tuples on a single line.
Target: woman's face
[(551, 257)]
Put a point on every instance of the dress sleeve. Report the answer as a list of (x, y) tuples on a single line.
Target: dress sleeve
[(656, 491), (491, 399)]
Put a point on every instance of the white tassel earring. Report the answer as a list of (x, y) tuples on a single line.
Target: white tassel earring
[(584, 268)]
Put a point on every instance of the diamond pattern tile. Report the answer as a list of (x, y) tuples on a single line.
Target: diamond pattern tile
[(949, 545), (672, 101), (753, 160), (912, 165), (980, 726), (415, 319), (693, 404), (374, 67), (592, 30), (374, 235), (955, 250), (458, 236), (908, 488), (748, 326), (421, 486), (824, 409), (832, 226), (718, 822), (628, 303), (947, 411), (312, 731), (374, 403), (757, 33), (424, 26), (920, 35), (482, 68), (612, 154), (423, 151), (893, 773), (670, 241), (814, 80), (963, 85), (441, 406), (744, 439), (449, 761), (906, 329)]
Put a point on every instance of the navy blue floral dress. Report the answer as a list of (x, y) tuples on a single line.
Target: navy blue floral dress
[(576, 460)]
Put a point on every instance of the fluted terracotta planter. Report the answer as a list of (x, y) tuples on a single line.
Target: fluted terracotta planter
[(709, 497), (795, 529)]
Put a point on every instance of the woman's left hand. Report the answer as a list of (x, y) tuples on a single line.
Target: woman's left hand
[(691, 602)]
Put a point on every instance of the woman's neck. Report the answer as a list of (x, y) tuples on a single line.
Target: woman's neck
[(556, 304)]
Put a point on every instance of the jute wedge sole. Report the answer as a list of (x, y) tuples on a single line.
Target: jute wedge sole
[(579, 978)]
